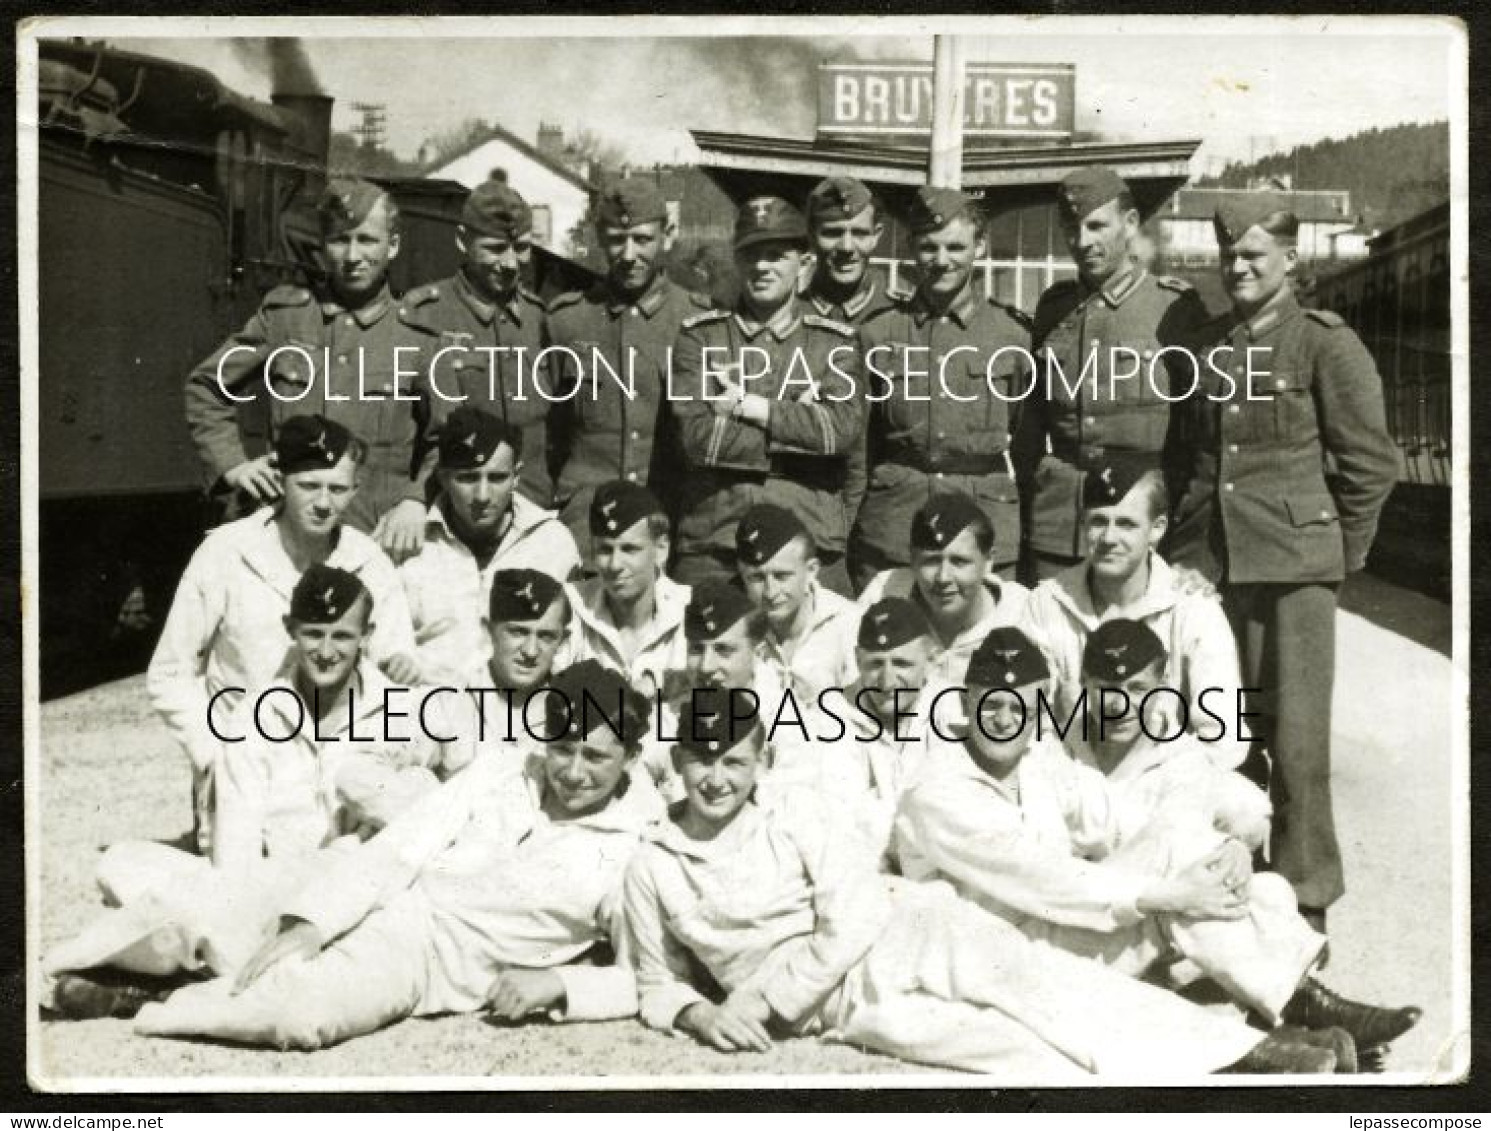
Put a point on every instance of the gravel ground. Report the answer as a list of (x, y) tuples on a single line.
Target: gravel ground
[(108, 772)]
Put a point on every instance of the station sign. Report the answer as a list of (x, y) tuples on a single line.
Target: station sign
[(1001, 101)]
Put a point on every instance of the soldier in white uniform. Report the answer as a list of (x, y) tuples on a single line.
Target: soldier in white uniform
[(951, 578), (1124, 507), (489, 894), (1023, 830), (225, 633), (477, 525), (810, 630), (798, 935), (630, 615)]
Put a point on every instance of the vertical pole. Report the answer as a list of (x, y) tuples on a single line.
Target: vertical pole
[(946, 157)]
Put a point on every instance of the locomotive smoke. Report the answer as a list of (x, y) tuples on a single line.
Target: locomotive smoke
[(283, 60)]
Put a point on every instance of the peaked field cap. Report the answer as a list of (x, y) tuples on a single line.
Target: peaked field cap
[(763, 219)]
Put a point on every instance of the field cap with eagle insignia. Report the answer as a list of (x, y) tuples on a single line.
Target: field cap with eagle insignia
[(714, 720), (587, 696), (345, 203), (765, 218), (714, 608), (1240, 211), (889, 623), (619, 505), (521, 594), (1108, 482), (838, 198), (1006, 658), (470, 436), (942, 519), (933, 208), (764, 530), (1119, 648), (496, 209), (636, 200), (309, 443), (324, 594), (1083, 191)]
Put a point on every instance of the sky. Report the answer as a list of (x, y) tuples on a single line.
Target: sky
[(1243, 86)]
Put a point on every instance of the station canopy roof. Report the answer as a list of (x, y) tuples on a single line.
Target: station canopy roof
[(746, 165)]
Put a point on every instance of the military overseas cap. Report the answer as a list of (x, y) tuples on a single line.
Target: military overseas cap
[(1106, 483), (933, 208), (765, 218), (1006, 658), (889, 623), (838, 198), (324, 594), (713, 720), (1240, 211), (470, 436), (636, 200), (1119, 648), (1084, 190), (587, 696), (619, 505), (309, 443), (942, 519), (764, 530), (345, 203), (495, 208), (521, 594), (714, 607)]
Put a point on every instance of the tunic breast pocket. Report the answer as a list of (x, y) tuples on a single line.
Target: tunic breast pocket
[(993, 384), (912, 387), (1292, 418), (380, 418), (292, 376)]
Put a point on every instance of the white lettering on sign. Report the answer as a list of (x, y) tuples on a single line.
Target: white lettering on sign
[(1010, 100)]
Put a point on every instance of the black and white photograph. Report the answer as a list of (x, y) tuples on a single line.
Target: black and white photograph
[(715, 552)]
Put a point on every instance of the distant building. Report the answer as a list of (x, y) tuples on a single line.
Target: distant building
[(1328, 228), (558, 194)]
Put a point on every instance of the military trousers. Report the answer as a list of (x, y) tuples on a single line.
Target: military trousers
[(1287, 638)]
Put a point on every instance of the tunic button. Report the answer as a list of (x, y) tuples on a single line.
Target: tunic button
[(1232, 448), (633, 311), (942, 435), (1279, 384), (1089, 420), (1227, 486), (347, 321), (1325, 514), (341, 359), (942, 318), (940, 475), (636, 435), (1234, 408), (631, 476)]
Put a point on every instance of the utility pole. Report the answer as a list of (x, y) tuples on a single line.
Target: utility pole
[(946, 156)]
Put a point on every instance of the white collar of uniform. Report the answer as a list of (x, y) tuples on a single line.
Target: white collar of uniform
[(632, 810), (917, 719), (1144, 757), (588, 598), (667, 835), (525, 516), (263, 552), (1070, 589), (368, 686)]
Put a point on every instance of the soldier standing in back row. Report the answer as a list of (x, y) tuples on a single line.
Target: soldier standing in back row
[(329, 351), (1113, 316), (618, 427), (484, 306), (938, 425), (1258, 514), (783, 437)]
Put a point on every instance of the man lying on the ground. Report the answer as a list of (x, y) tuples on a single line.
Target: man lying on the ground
[(478, 524), (1124, 515), (225, 634), (951, 577), (487, 894), (308, 760), (1020, 828), (798, 935)]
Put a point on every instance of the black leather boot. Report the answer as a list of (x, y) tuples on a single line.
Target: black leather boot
[(1280, 1053), (1317, 1007)]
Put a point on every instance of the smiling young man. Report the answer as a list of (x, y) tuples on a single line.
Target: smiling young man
[(490, 328), (333, 350), (489, 895), (629, 616), (768, 404), (225, 635), (933, 360), (1124, 513), (1113, 316), (477, 525), (1258, 514), (618, 340), (779, 905), (951, 579)]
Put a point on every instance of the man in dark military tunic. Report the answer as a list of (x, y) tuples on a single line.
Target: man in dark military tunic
[(768, 404), (488, 330), (616, 342), (1114, 318), (345, 350), (1259, 514), (933, 360)]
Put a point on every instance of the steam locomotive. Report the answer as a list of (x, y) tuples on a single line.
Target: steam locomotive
[(168, 204)]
